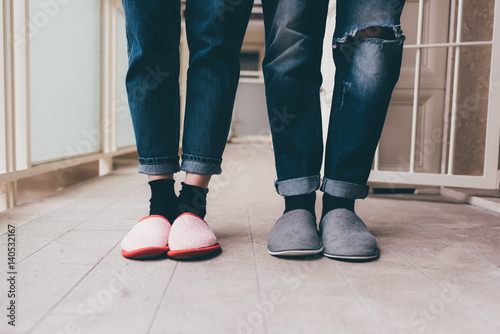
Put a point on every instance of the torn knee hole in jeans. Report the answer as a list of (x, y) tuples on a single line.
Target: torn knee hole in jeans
[(376, 33)]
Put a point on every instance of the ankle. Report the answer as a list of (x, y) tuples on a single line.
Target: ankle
[(198, 180), (305, 202), (193, 199), (331, 203), (163, 200)]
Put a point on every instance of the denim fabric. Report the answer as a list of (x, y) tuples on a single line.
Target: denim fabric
[(298, 186), (215, 31), (294, 44), (367, 70), (344, 189)]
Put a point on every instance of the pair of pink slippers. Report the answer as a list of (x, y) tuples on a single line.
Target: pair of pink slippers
[(188, 237)]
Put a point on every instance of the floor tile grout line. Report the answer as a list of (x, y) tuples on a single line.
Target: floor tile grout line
[(457, 247), (467, 205), (360, 299), (31, 221), (161, 299), (71, 289), (481, 209), (97, 180), (249, 220), (73, 228), (462, 302)]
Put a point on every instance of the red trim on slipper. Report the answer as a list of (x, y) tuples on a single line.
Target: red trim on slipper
[(193, 253), (144, 253), (151, 216), (191, 214)]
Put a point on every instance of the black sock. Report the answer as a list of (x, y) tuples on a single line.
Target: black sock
[(163, 200), (193, 199), (305, 202), (332, 202)]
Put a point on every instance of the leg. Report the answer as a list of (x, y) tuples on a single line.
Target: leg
[(294, 45), (198, 180), (367, 52), (368, 44), (153, 33), (215, 34), (294, 42)]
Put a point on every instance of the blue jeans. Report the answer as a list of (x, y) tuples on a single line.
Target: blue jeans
[(367, 69), (215, 31)]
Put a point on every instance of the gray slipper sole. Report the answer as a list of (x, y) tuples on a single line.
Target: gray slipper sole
[(294, 234), (346, 237)]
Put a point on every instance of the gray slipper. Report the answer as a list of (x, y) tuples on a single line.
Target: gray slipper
[(294, 234), (345, 236)]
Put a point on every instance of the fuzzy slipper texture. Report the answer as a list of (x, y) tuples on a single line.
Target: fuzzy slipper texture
[(148, 238), (191, 237), (294, 234), (345, 236)]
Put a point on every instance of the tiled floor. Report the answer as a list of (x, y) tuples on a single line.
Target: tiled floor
[(439, 271)]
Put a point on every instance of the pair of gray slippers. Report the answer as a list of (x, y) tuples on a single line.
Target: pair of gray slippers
[(342, 235)]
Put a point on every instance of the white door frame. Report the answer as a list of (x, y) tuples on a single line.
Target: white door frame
[(490, 177)]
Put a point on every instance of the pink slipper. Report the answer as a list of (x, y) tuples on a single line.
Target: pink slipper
[(191, 237), (148, 238)]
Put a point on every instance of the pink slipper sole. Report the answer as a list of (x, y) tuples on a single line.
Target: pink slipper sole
[(147, 239), (191, 237)]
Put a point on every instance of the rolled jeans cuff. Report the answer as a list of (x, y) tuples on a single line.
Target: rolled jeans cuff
[(298, 186), (344, 189), (201, 165), (159, 166)]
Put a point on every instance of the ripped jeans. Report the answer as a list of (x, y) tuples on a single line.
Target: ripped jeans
[(367, 50)]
